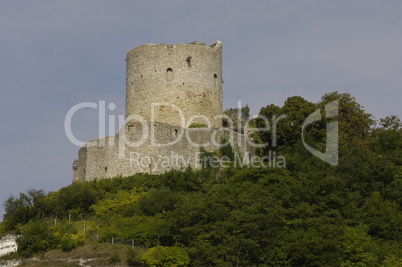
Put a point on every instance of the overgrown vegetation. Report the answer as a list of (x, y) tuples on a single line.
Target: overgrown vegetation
[(198, 125), (309, 214)]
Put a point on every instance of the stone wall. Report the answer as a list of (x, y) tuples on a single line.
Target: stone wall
[(163, 148)]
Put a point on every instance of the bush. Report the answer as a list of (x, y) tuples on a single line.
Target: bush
[(153, 257), (2, 229), (114, 258), (70, 241), (132, 258), (68, 238), (226, 150), (166, 256), (36, 237)]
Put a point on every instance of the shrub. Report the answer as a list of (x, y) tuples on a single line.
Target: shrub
[(132, 257), (36, 237), (68, 238), (166, 256), (114, 258), (70, 241), (2, 229), (153, 257), (226, 150)]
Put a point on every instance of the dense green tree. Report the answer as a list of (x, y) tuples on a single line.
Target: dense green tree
[(391, 122), (284, 129), (352, 118), (157, 201), (383, 217), (76, 198), (358, 248), (20, 210)]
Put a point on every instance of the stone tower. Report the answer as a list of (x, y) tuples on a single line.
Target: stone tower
[(182, 80), (185, 83)]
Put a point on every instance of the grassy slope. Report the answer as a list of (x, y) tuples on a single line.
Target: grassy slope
[(91, 253)]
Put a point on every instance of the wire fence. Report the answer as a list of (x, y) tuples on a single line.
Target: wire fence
[(91, 229), (131, 243)]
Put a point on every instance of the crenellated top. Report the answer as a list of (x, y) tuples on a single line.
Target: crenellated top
[(215, 45)]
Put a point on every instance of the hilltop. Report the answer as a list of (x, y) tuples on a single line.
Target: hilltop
[(305, 213)]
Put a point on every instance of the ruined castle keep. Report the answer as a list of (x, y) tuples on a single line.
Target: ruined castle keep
[(173, 107), (188, 76)]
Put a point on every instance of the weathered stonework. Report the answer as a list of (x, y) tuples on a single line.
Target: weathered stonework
[(168, 89), (112, 156), (188, 76)]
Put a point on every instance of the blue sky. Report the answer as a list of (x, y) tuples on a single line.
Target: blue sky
[(56, 54)]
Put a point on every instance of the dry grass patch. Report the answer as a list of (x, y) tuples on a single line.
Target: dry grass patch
[(91, 254)]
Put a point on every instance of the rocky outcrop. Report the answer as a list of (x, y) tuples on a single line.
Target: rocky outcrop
[(8, 244)]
